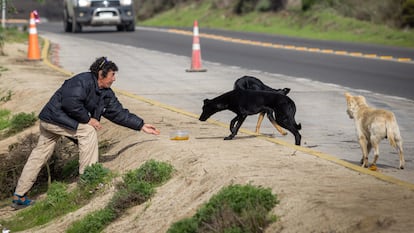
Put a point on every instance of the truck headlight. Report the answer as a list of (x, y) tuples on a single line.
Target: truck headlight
[(84, 3), (126, 2)]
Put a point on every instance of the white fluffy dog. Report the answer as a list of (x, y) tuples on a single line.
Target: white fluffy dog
[(373, 125)]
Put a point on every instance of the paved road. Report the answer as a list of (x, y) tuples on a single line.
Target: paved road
[(320, 107), (297, 58)]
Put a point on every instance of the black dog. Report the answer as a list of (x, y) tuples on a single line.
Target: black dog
[(248, 102), (253, 83)]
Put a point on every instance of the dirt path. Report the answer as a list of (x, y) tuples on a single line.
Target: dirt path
[(315, 195)]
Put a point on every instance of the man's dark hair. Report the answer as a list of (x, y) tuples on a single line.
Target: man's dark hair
[(102, 63)]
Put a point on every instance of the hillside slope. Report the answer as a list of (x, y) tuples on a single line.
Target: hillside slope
[(315, 195), (20, 9)]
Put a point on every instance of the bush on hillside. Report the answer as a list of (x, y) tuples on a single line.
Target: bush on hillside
[(21, 121), (407, 14), (137, 187), (247, 6), (236, 208), (307, 4), (61, 165), (387, 12)]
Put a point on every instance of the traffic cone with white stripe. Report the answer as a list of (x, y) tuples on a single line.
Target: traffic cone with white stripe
[(196, 56), (33, 53)]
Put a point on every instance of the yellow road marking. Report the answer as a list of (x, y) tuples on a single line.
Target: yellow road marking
[(291, 47)]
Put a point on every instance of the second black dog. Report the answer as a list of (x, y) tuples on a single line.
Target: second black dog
[(248, 102), (253, 83)]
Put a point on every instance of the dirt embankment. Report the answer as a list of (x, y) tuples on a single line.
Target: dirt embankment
[(315, 195)]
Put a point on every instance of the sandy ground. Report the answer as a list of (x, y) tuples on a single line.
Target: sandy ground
[(316, 195)]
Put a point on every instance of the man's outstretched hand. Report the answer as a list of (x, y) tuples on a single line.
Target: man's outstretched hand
[(150, 129)]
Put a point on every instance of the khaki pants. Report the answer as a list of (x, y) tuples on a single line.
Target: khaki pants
[(49, 134)]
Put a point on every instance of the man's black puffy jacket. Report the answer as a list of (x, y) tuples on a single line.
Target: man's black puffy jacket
[(80, 99)]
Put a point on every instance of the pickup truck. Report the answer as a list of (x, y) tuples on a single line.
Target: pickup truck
[(78, 13)]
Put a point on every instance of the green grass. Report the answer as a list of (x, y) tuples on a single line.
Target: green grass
[(4, 118), (21, 121), (137, 187), (94, 222), (321, 24), (13, 34), (235, 209), (59, 201), (16, 123)]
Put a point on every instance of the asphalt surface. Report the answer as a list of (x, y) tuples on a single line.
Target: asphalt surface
[(320, 107), (380, 69)]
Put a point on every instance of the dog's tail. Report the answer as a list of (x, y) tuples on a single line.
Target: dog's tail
[(393, 132)]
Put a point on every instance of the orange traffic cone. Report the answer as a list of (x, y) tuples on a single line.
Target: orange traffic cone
[(33, 53), (196, 56)]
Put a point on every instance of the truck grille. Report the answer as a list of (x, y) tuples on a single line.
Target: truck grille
[(107, 3)]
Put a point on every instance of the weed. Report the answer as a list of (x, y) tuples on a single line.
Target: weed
[(152, 172), (13, 34), (58, 201), (8, 95), (93, 179), (137, 187), (70, 168), (56, 194), (235, 208), (21, 121), (94, 175), (94, 222), (12, 164), (64, 164), (4, 118)]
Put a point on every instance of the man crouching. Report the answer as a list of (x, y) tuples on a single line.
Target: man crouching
[(74, 111)]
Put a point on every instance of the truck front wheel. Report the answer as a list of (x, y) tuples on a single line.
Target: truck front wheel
[(120, 28), (130, 27)]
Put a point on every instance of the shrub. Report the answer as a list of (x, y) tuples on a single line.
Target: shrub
[(4, 118), (63, 164), (58, 201), (270, 5), (93, 223), (152, 172), (21, 121), (307, 4), (137, 187), (94, 175), (13, 34), (234, 209), (408, 13), (11, 166), (56, 194)]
